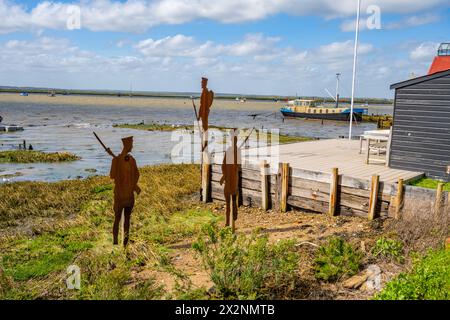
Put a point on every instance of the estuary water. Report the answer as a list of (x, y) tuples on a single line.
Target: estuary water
[(54, 128)]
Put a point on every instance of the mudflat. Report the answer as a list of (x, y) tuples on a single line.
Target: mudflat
[(85, 100)]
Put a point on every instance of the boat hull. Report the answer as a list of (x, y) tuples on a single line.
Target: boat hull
[(323, 116)]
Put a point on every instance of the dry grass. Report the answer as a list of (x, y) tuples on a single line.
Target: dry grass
[(47, 226)]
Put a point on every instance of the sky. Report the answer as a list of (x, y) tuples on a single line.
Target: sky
[(268, 47)]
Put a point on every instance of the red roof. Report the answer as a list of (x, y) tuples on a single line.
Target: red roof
[(440, 63)]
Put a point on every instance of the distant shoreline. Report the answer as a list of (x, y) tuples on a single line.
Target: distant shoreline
[(141, 101), (182, 95)]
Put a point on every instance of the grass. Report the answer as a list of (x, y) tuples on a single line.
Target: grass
[(388, 248), (154, 127), (247, 267), (429, 184), (45, 227), (281, 138), (336, 259), (37, 257), (382, 121), (428, 280), (24, 156)]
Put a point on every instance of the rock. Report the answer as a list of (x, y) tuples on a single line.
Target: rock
[(212, 291), (368, 280), (356, 281)]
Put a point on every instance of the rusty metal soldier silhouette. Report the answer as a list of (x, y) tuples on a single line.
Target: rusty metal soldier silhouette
[(230, 176), (125, 173), (206, 101)]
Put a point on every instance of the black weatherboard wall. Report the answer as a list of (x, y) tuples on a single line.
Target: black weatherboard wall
[(421, 130)]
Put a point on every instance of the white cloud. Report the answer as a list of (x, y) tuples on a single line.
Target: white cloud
[(350, 25), (140, 15), (175, 63), (424, 52), (253, 45), (414, 21)]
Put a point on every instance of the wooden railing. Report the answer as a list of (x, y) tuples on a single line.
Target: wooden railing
[(284, 188)]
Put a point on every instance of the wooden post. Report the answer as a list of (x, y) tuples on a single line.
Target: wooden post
[(333, 192), (284, 186), (276, 204), (264, 186), (399, 198), (206, 182), (439, 194), (373, 196)]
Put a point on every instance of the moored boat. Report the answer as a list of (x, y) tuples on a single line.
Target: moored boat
[(10, 128), (302, 108)]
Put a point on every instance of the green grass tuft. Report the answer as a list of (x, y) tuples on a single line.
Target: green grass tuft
[(336, 259), (389, 248), (247, 267), (429, 184), (24, 156), (428, 280)]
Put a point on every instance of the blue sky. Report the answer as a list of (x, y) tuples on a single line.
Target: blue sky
[(281, 47)]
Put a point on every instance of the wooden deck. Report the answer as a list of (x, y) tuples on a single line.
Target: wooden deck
[(323, 155)]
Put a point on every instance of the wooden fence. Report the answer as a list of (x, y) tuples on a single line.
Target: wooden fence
[(328, 193)]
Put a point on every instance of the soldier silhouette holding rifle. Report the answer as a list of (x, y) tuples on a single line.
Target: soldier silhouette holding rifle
[(125, 173), (230, 176), (206, 101)]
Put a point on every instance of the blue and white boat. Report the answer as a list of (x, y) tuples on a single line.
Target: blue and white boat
[(307, 109)]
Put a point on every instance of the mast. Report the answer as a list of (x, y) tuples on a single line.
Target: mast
[(355, 55), (337, 89)]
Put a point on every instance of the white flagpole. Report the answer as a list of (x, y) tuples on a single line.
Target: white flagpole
[(355, 56)]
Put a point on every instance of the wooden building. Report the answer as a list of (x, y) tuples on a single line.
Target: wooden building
[(421, 129)]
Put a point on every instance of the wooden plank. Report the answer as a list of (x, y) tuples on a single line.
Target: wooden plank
[(265, 193), (333, 192), (351, 212), (206, 182), (307, 204), (249, 198), (296, 182), (284, 186), (277, 204), (354, 202), (373, 197), (251, 184), (309, 194)]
